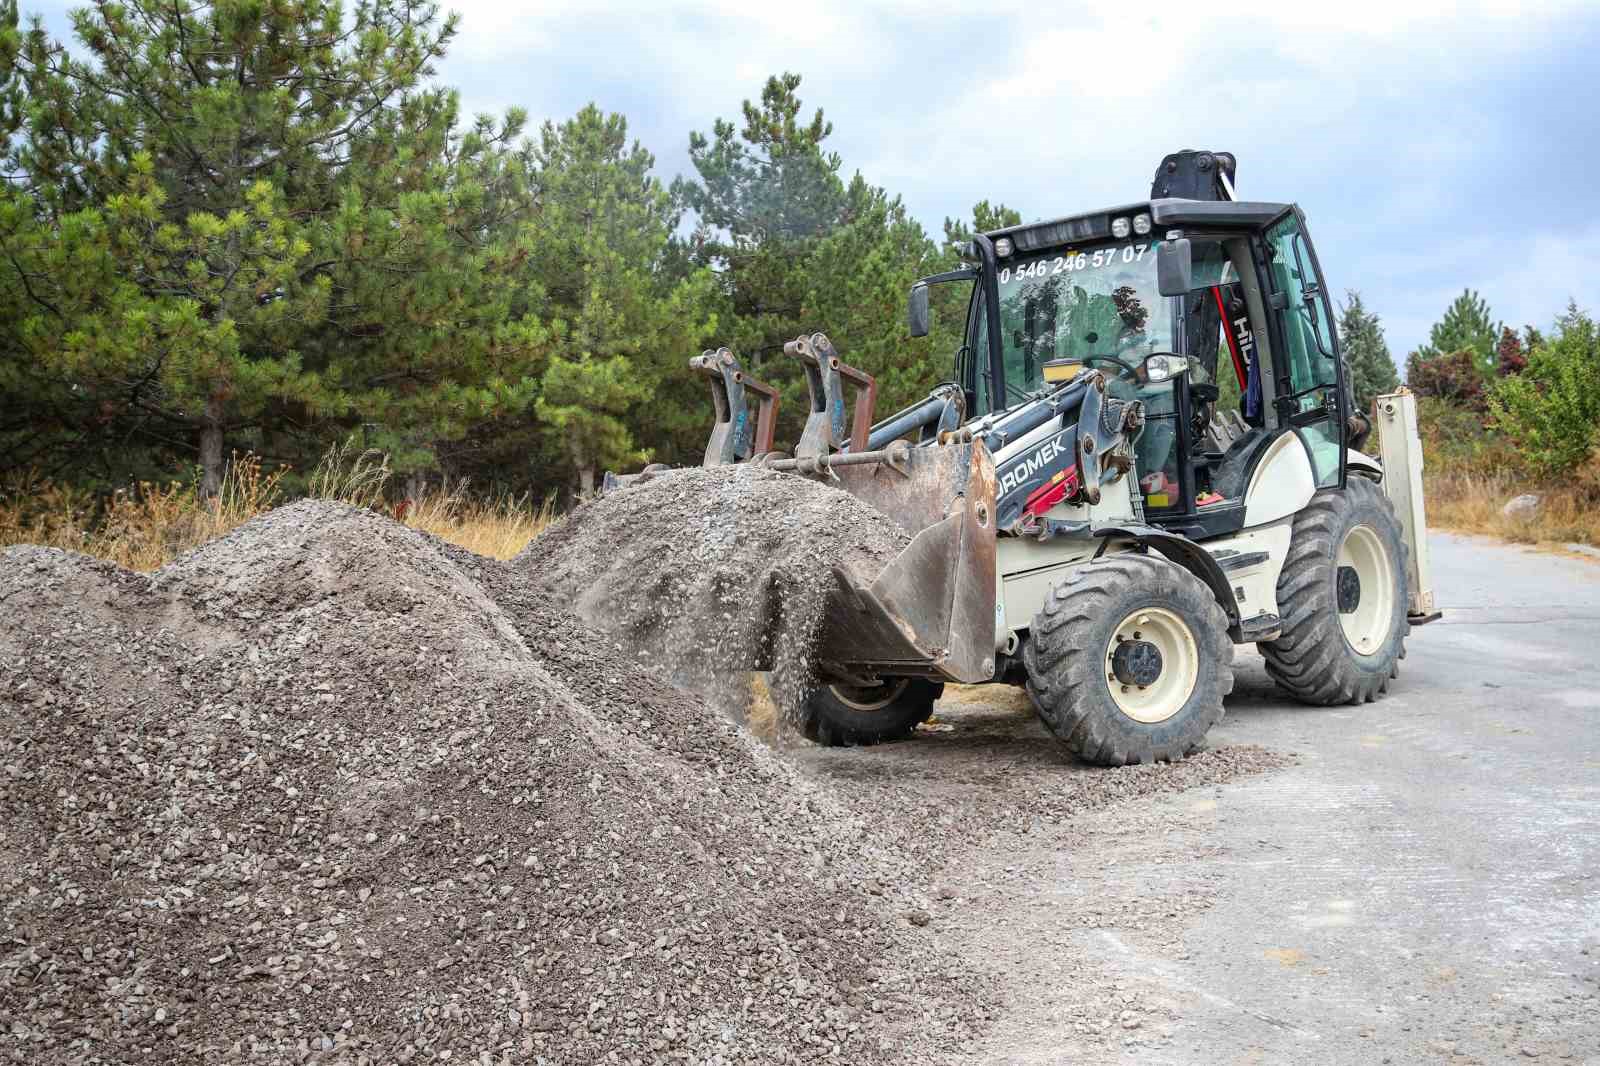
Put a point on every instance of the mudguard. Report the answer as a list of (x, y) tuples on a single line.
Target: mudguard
[(1185, 553)]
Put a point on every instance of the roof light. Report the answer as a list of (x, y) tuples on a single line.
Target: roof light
[(1141, 224), (1119, 228), (1002, 247)]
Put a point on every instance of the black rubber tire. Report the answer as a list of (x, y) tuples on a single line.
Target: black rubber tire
[(833, 723), (1064, 656), (1311, 659)]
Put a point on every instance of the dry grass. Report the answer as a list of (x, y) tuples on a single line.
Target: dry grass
[(149, 525), (1472, 470), (496, 526), (139, 528), (1472, 503)]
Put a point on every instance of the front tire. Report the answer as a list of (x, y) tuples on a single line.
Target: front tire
[(844, 715), (1128, 660), (1342, 598)]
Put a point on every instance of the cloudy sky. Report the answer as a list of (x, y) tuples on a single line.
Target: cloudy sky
[(1434, 146)]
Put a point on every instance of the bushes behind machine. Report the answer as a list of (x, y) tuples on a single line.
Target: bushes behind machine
[(1536, 433), (1473, 469)]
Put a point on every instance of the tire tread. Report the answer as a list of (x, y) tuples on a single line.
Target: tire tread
[(1061, 660), (1310, 658)]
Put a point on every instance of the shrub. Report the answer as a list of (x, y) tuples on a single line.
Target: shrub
[(1453, 376), (1513, 356), (1552, 409), (1456, 440)]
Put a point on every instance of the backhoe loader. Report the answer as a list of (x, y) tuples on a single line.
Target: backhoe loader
[(1148, 454)]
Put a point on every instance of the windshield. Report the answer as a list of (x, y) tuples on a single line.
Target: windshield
[(1077, 303)]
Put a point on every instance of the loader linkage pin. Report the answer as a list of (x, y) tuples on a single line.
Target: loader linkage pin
[(732, 437)]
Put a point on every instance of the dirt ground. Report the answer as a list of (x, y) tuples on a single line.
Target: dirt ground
[(1416, 881), (328, 790)]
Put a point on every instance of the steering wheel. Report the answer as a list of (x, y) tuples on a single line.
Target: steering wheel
[(1131, 371)]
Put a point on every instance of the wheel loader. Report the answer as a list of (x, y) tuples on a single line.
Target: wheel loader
[(1148, 454)]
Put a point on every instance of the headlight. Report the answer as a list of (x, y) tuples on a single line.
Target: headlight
[(1002, 247), (1141, 224), (1119, 228)]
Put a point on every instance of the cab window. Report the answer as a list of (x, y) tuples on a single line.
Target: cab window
[(978, 359), (1311, 363)]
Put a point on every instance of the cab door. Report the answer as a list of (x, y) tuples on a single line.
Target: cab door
[(1310, 393)]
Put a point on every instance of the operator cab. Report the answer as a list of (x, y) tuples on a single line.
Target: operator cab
[(1228, 292)]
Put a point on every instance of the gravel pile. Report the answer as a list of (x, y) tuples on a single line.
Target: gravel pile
[(329, 790), (707, 571)]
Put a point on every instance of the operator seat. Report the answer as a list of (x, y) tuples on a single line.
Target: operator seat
[(1230, 476)]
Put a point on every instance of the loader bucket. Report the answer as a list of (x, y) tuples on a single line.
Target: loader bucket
[(931, 611)]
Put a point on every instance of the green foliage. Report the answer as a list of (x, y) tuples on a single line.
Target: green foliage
[(1467, 326), (621, 325), (986, 218), (227, 226), (236, 224), (797, 250), (858, 278), (1371, 368), (1552, 409), (1455, 440)]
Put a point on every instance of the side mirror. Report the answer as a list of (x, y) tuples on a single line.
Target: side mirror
[(917, 310), (1175, 267), (1161, 366)]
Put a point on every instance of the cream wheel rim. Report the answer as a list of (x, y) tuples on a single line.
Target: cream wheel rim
[(869, 699), (1164, 694), (1363, 584)]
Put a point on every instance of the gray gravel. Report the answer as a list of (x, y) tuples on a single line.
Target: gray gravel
[(311, 792), (710, 572), (328, 789)]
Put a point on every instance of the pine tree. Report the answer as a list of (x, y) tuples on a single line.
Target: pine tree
[(766, 193), (1467, 325), (622, 326), (800, 251), (239, 219), (858, 279), (1371, 368)]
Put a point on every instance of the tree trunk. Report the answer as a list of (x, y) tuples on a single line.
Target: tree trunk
[(416, 487), (211, 449), (583, 463)]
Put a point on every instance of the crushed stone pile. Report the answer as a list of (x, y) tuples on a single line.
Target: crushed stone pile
[(702, 572), (330, 790)]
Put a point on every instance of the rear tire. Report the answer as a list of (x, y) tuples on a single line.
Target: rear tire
[(844, 716), (1342, 598), (1088, 693)]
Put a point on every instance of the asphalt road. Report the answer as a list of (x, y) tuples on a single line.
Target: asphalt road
[(1422, 884)]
